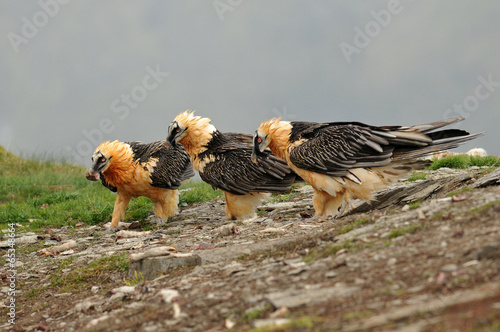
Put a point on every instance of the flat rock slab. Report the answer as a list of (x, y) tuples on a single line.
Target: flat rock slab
[(293, 298), (411, 193), (153, 267), (489, 179)]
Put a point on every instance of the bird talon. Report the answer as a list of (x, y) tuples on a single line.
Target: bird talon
[(111, 229), (157, 221)]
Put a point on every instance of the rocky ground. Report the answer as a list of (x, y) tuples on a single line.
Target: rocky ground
[(424, 256)]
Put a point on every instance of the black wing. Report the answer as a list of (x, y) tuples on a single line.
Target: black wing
[(333, 148), (233, 170), (173, 164)]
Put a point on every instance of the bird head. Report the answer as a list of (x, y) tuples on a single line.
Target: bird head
[(100, 163), (192, 132), (272, 134), (101, 160), (176, 132), (260, 143)]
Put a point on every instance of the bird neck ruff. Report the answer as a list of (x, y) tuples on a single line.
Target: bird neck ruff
[(121, 162), (199, 132), (278, 133)]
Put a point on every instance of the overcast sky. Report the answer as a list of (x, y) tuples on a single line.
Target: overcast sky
[(74, 73)]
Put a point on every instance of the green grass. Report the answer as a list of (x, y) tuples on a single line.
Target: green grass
[(464, 161), (414, 205), (138, 279), (197, 191), (93, 273), (254, 314), (459, 191), (482, 208), (403, 230), (349, 227), (416, 176), (53, 194)]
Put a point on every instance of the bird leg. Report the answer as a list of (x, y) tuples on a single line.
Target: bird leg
[(242, 206), (121, 204)]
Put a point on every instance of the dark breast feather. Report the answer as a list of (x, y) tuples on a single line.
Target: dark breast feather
[(107, 185)]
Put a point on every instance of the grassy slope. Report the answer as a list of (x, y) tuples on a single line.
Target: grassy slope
[(53, 194)]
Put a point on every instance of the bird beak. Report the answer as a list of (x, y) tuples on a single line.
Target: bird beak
[(93, 175), (171, 136), (254, 157)]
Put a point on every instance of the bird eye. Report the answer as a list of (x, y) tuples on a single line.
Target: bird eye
[(178, 130), (102, 159), (259, 140)]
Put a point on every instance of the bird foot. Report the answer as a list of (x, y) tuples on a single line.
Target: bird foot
[(157, 221), (111, 229)]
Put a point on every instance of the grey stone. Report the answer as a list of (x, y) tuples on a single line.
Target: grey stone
[(489, 179), (153, 267), (489, 252), (268, 322), (293, 298), (449, 268)]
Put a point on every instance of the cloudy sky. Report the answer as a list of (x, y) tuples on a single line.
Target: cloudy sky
[(75, 73)]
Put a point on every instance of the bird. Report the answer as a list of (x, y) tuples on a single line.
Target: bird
[(132, 169), (345, 160), (224, 161)]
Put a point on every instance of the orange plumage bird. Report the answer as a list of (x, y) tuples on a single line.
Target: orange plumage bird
[(133, 169), (344, 160)]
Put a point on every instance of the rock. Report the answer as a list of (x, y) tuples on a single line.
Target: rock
[(293, 298), (169, 295), (229, 323), (405, 208), (226, 229), (331, 274), (279, 205), (470, 263), (131, 234), (84, 306), (392, 261), (281, 312), (153, 267), (153, 252), (269, 322), (489, 179), (489, 252), (124, 290), (57, 249), (27, 239), (411, 193), (42, 327), (449, 268)]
